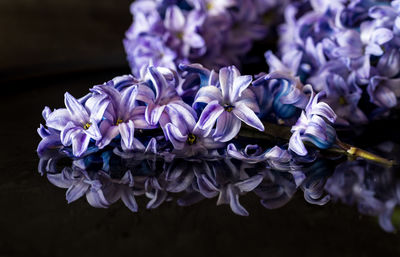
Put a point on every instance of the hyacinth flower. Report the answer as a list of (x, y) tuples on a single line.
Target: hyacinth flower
[(50, 137), (191, 142), (164, 105), (183, 30), (122, 117), (312, 126), (228, 105), (147, 51), (78, 124)]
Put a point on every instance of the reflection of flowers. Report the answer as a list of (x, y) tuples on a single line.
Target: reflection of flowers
[(104, 178), (374, 193)]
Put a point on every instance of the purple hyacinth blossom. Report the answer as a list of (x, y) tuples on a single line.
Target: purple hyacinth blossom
[(183, 29), (311, 126), (50, 137), (383, 91), (165, 105), (146, 51), (228, 105), (191, 142), (122, 116), (78, 123)]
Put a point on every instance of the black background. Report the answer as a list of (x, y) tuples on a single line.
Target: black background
[(48, 47)]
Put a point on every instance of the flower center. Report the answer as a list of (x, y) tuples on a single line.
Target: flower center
[(179, 35), (119, 121), (191, 139), (209, 6), (87, 126), (342, 100), (228, 107)]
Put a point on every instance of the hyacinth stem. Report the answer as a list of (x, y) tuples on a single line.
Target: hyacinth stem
[(357, 152), (274, 132)]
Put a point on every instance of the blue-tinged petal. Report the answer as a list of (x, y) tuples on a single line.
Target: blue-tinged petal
[(49, 142), (159, 82), (58, 119), (239, 84), (197, 68), (228, 126), (381, 11), (373, 49), (77, 110), (96, 105), (324, 110), (296, 144), (76, 191), (80, 142), (246, 115), (59, 179), (128, 99), (175, 136), (249, 184), (96, 198), (127, 131), (151, 146), (275, 64), (194, 40), (174, 19), (381, 36), (145, 94), (153, 113), (181, 117), (234, 202), (128, 198), (208, 94), (277, 153), (46, 112), (109, 132), (227, 76), (389, 63), (137, 115), (68, 132), (209, 115)]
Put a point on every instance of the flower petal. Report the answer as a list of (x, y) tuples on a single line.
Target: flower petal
[(208, 94), (153, 113), (78, 112), (175, 136), (58, 119), (228, 127), (174, 19), (127, 131), (246, 115), (239, 84), (80, 142), (209, 115)]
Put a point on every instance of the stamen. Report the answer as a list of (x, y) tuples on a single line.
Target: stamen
[(342, 100), (87, 126), (228, 107), (191, 139), (119, 121)]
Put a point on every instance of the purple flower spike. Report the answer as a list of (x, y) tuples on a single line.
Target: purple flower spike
[(312, 126), (122, 117), (78, 123), (228, 105)]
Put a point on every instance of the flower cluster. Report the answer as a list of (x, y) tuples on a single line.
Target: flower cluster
[(213, 33), (119, 112), (349, 49)]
